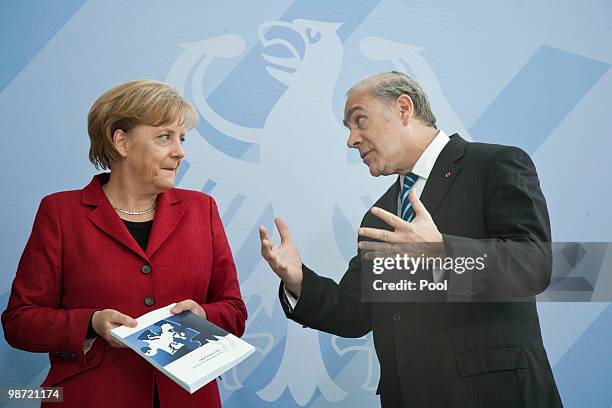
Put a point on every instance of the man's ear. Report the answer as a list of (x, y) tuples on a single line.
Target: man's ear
[(120, 142), (406, 108)]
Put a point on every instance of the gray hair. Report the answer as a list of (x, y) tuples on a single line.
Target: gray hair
[(389, 86)]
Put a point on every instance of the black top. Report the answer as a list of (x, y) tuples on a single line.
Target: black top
[(140, 231)]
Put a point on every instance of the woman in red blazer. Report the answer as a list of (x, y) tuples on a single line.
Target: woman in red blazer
[(124, 245)]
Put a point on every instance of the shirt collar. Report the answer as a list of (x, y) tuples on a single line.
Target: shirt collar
[(426, 161)]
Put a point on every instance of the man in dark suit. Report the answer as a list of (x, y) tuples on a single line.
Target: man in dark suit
[(467, 198)]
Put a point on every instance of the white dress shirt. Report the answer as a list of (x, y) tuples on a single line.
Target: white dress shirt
[(422, 168)]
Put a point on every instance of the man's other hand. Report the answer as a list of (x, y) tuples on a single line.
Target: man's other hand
[(421, 229)]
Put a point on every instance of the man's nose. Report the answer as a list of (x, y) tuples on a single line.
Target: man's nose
[(354, 139)]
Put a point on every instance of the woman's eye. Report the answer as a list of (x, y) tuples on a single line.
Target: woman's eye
[(361, 121), (182, 139), (164, 138)]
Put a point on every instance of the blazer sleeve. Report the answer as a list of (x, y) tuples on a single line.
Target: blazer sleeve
[(224, 306), (35, 319), (331, 307), (518, 250)]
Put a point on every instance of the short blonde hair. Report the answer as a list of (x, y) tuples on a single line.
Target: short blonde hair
[(134, 103)]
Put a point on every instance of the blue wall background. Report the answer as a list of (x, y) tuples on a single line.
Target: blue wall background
[(268, 79)]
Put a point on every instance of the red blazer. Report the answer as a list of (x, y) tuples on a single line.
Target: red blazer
[(81, 258)]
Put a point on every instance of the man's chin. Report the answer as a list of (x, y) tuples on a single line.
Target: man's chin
[(376, 172)]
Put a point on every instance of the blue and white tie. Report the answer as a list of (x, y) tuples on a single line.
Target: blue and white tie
[(407, 212)]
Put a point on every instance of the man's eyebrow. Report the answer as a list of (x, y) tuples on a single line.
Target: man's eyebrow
[(349, 114)]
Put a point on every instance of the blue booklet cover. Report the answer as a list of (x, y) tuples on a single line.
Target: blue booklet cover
[(186, 347)]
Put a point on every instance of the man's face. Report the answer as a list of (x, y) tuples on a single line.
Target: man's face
[(377, 131)]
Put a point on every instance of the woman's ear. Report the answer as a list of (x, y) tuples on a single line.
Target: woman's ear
[(120, 142)]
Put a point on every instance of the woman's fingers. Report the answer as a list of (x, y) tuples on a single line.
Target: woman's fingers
[(122, 319), (191, 305)]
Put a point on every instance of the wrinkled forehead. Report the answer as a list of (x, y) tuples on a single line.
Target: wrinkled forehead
[(360, 99)]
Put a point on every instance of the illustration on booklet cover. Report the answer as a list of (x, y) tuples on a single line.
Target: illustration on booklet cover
[(171, 338)]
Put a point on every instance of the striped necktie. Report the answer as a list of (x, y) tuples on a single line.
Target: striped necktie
[(407, 212)]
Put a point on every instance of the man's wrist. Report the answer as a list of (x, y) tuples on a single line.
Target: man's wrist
[(295, 289)]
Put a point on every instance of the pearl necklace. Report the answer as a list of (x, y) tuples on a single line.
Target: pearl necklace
[(148, 210)]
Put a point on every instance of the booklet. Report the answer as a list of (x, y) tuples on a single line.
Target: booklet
[(187, 348)]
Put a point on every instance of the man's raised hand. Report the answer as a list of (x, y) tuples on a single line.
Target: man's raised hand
[(285, 260)]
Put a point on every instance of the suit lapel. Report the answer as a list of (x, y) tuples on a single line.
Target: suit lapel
[(167, 216), (387, 201), (104, 217), (445, 170)]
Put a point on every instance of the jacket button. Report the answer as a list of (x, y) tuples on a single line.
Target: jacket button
[(146, 269), (149, 300), (65, 354), (397, 317)]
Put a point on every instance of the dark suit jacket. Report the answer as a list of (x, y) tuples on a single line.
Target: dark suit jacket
[(458, 354), (81, 258)]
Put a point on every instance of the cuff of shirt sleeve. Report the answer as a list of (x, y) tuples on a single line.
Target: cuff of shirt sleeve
[(291, 300)]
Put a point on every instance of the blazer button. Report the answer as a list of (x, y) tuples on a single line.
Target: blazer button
[(397, 317), (65, 354), (146, 269), (149, 300)]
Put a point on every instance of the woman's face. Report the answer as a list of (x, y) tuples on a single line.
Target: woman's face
[(153, 155)]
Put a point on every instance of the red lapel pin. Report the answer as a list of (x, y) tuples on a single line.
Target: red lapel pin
[(448, 173)]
